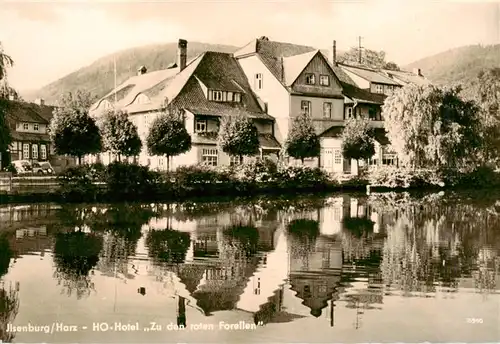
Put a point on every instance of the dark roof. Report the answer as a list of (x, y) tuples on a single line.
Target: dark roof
[(323, 125), (362, 96), (275, 54), (22, 136), (28, 112), (268, 141), (370, 74), (381, 136), (218, 71)]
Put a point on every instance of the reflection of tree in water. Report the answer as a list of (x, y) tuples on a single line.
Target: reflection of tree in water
[(244, 238), (75, 255), (303, 233), (9, 297), (168, 245), (122, 225), (357, 238)]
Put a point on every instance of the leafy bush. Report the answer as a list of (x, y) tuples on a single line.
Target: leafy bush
[(258, 171), (482, 176), (126, 180), (79, 183), (394, 177), (302, 177)]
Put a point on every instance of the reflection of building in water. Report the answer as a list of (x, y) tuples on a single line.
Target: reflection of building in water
[(30, 240), (315, 274), (36, 215), (271, 273)]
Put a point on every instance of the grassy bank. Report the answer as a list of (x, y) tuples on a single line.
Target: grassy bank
[(121, 182)]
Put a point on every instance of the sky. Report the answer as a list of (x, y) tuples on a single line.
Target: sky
[(50, 39)]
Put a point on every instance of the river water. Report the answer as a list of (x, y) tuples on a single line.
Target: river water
[(342, 268)]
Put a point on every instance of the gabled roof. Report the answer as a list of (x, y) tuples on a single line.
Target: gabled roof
[(217, 71), (405, 77), (294, 65), (369, 74), (273, 53), (28, 112), (286, 61)]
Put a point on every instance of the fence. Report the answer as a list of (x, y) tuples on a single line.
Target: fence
[(27, 184)]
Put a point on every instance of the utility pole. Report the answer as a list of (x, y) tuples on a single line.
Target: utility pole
[(359, 48)]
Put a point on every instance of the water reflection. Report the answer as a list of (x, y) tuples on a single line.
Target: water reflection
[(9, 295), (76, 254), (333, 259)]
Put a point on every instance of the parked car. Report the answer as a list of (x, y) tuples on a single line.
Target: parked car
[(46, 167), (35, 167), (22, 166)]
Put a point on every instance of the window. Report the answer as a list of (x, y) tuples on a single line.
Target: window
[(142, 99), (209, 156), (259, 81), (324, 80), (234, 160), (229, 96), (35, 127), (217, 96), (26, 151), (43, 152), (305, 107), (327, 110), (237, 97), (379, 89), (348, 113), (26, 126), (337, 157), (201, 126), (310, 79), (34, 150)]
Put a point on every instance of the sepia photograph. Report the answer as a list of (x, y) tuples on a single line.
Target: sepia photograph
[(260, 171)]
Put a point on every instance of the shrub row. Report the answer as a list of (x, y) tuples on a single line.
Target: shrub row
[(120, 181)]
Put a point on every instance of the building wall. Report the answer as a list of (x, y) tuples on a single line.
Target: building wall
[(272, 92), (318, 66), (317, 106), (42, 128), (17, 150)]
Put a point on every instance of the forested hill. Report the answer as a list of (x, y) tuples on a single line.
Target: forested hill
[(98, 78), (459, 65)]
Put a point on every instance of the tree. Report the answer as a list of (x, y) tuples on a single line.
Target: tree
[(119, 134), (238, 136), (5, 136), (302, 141), (74, 132), (79, 100), (392, 66), (485, 91), (357, 141), (433, 127), (369, 58), (168, 136)]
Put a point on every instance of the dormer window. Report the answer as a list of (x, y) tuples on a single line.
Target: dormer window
[(35, 127), (105, 105), (310, 79), (217, 95), (26, 126), (201, 126), (224, 96), (142, 99)]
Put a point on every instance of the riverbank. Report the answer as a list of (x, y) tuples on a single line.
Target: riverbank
[(120, 182)]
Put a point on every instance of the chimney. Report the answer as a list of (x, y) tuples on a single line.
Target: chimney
[(417, 71), (334, 53), (182, 54), (40, 101), (142, 70)]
